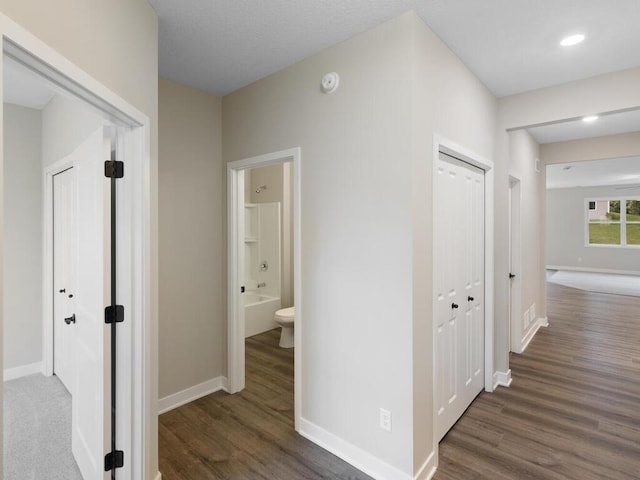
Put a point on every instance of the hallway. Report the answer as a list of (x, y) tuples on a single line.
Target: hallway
[(573, 409), (571, 413)]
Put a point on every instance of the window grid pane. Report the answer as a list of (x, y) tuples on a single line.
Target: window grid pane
[(604, 233), (633, 210), (614, 222), (603, 211), (633, 233)]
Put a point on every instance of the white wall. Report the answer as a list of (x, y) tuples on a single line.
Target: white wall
[(22, 285), (192, 239), (115, 42), (270, 176), (450, 101), (66, 123), (598, 148), (523, 152), (356, 229), (566, 232), (366, 220)]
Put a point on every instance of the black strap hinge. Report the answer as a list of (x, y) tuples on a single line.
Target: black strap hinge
[(114, 313), (113, 169), (113, 460)]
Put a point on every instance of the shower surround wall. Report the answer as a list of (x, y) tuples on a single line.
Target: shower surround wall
[(277, 179), (262, 266)]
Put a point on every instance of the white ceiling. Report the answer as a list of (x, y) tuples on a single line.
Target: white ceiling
[(24, 87), (609, 124), (617, 171), (512, 46)]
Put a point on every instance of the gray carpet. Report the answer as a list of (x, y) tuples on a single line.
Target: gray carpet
[(37, 430), (597, 282)]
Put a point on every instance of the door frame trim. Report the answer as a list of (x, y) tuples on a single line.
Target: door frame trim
[(515, 266), (235, 320), (137, 427), (443, 144)]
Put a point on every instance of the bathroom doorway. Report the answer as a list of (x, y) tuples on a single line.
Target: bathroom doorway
[(264, 255)]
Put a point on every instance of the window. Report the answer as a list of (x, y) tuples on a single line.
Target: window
[(633, 222), (613, 222)]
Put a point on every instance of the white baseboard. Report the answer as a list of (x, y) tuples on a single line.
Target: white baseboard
[(540, 322), (22, 371), (428, 469), (593, 270), (364, 461), (502, 379), (192, 393)]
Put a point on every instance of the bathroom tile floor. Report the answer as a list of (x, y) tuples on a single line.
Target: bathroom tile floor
[(248, 435)]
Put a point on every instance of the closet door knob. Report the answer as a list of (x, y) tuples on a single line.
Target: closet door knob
[(70, 320), (471, 299), (454, 305)]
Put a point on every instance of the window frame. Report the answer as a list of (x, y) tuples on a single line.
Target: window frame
[(622, 222)]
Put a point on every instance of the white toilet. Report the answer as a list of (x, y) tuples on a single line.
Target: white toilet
[(285, 317)]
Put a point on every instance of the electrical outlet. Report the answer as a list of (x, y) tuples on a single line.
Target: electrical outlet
[(385, 419)]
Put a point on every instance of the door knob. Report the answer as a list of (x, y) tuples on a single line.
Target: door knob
[(63, 290), (454, 305), (512, 275), (70, 320), (471, 299)]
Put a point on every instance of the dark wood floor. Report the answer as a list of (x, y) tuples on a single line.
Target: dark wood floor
[(573, 410), (249, 435)]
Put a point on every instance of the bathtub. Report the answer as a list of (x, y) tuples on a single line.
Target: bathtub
[(258, 313)]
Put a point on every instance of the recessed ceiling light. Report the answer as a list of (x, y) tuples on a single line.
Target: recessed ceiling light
[(590, 118), (572, 40)]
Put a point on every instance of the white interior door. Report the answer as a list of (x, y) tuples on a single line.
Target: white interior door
[(246, 228), (459, 289), (64, 245), (90, 419)]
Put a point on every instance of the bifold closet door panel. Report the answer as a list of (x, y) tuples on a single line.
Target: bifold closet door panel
[(459, 288)]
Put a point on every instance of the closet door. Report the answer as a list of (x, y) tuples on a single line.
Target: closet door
[(459, 288)]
